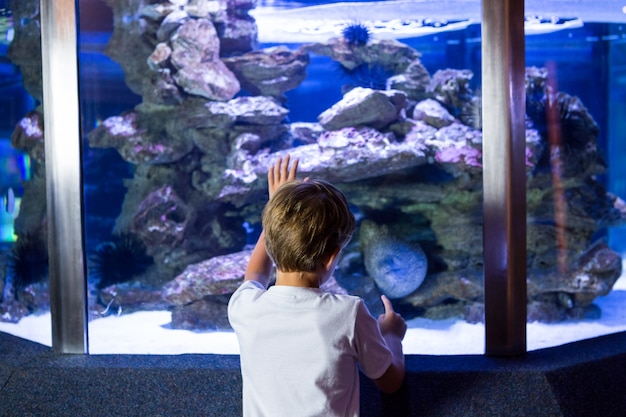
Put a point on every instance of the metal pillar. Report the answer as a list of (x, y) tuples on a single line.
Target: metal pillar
[(504, 176), (68, 294)]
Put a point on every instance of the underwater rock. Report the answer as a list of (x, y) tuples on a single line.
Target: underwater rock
[(176, 221), (170, 23), (208, 313), (390, 53), (573, 146), (196, 113), (458, 148), (270, 71), (432, 113), (129, 297), (132, 41), (593, 275), (588, 207), (196, 55), (12, 311), (137, 144), (162, 219), (364, 107), (360, 152), (536, 81), (161, 89), (303, 133), (373, 76), (32, 215), (451, 88), (159, 58), (465, 286), (215, 276), (397, 267), (549, 310), (238, 32), (211, 27), (414, 81), (212, 80), (25, 48), (35, 297), (28, 136), (257, 110)]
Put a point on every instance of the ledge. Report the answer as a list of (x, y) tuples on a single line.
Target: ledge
[(578, 379)]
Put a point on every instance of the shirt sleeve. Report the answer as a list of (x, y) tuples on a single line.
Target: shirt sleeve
[(373, 354), (246, 293)]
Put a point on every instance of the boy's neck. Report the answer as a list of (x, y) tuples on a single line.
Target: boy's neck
[(298, 279)]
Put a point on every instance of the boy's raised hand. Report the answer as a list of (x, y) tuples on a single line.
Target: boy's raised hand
[(390, 322), (280, 173)]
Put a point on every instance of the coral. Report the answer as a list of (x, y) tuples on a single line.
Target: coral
[(356, 34), (119, 260), (28, 261)]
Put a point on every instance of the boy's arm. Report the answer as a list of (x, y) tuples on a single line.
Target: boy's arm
[(393, 329), (260, 264)]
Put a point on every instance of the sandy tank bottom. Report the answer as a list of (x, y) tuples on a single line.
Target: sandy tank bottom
[(148, 332)]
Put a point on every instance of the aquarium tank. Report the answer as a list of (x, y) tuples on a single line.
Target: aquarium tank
[(184, 104)]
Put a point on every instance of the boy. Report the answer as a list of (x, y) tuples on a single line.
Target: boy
[(300, 347)]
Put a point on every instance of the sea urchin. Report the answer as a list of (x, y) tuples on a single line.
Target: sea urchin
[(356, 34), (28, 261), (119, 260)]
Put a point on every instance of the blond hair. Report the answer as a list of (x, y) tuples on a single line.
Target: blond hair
[(304, 223)]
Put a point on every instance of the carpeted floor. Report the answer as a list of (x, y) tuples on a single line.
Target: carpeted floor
[(586, 379)]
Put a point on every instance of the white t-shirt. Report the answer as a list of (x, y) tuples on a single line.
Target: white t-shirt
[(300, 348)]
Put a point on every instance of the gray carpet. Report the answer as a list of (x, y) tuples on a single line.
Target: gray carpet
[(585, 379)]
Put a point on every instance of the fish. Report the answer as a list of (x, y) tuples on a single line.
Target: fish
[(9, 201), (397, 267)]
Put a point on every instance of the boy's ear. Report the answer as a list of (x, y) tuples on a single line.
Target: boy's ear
[(331, 258)]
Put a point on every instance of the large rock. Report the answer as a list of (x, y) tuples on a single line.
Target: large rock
[(360, 152), (216, 276), (28, 136), (137, 142), (25, 48), (270, 71), (389, 53), (364, 107), (414, 81), (432, 113), (196, 56)]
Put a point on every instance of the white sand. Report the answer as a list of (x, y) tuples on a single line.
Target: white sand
[(148, 332)]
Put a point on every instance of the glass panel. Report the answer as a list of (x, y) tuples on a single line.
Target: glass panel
[(184, 105), (24, 294), (575, 103)]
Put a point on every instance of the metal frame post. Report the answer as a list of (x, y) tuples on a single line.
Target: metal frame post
[(68, 295), (504, 176)]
